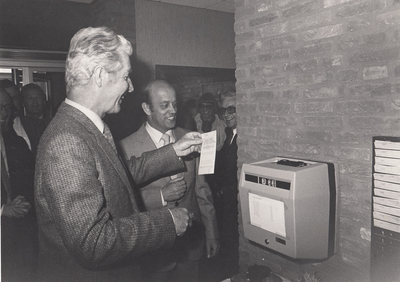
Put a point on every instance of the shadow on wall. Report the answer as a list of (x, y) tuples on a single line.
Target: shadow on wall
[(131, 116)]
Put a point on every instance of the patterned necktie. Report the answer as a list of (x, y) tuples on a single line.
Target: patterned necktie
[(109, 137), (166, 139)]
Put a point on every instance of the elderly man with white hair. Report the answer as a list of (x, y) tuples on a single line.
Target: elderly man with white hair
[(90, 226)]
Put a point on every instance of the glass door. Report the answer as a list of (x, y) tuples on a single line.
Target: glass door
[(47, 69)]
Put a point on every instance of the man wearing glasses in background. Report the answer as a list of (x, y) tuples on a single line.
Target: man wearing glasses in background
[(225, 188)]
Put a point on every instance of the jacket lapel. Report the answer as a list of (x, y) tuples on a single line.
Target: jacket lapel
[(148, 145), (100, 139), (146, 142)]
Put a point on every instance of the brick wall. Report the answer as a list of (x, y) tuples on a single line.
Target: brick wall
[(194, 87), (316, 79)]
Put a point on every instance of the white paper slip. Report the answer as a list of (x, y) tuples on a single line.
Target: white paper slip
[(208, 150), (387, 161), (387, 177), (386, 201), (387, 185), (387, 225), (387, 153), (387, 217), (386, 209), (387, 169), (387, 145), (386, 193)]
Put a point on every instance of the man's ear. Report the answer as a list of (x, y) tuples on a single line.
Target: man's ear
[(99, 76), (146, 108)]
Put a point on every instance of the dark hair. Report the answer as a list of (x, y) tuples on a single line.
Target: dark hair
[(32, 86), (207, 97), (6, 83)]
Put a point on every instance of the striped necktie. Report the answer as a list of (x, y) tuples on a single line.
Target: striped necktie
[(109, 137), (166, 139)]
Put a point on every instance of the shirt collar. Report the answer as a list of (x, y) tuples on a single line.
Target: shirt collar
[(90, 114), (156, 135)]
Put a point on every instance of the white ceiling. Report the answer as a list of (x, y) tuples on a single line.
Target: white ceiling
[(218, 5)]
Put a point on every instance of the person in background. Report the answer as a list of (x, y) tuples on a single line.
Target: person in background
[(207, 119), (34, 121), (19, 245), (181, 188), (222, 95), (225, 191), (13, 90), (9, 87), (186, 114), (90, 226)]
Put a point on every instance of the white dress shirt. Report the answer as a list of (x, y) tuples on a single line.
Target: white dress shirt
[(156, 135), (90, 114), (19, 129), (234, 134)]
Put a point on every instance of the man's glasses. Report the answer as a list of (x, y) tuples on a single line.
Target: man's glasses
[(230, 110)]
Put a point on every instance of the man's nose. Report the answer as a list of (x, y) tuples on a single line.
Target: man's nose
[(172, 108)]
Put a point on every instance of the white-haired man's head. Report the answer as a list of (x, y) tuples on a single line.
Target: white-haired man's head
[(92, 47)]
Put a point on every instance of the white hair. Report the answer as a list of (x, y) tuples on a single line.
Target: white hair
[(91, 47)]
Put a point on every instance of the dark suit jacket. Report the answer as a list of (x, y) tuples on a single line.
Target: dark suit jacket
[(19, 235), (198, 198), (34, 128), (90, 228)]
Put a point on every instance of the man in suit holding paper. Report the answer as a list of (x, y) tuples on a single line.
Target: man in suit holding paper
[(90, 227), (183, 188)]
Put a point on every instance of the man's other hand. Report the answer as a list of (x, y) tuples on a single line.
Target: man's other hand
[(174, 190), (212, 247), (189, 143), (182, 220), (17, 208)]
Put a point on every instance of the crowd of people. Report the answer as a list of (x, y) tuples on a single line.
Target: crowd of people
[(78, 207), (23, 121)]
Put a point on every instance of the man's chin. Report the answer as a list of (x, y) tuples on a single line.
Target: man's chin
[(114, 110), (172, 124)]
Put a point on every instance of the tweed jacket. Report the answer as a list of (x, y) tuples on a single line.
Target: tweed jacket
[(198, 198), (90, 228)]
